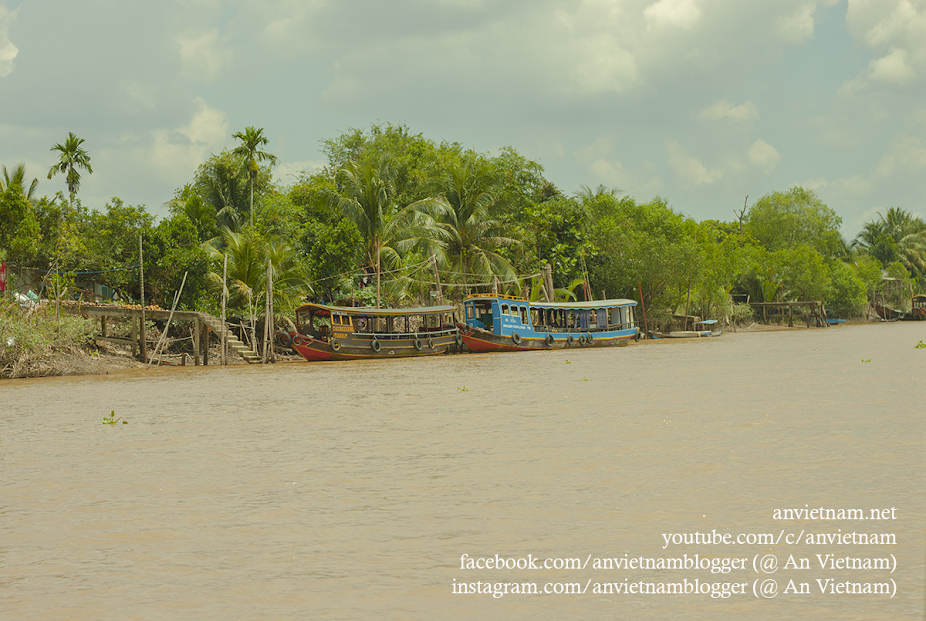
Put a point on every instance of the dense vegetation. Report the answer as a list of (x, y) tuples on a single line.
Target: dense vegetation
[(389, 200)]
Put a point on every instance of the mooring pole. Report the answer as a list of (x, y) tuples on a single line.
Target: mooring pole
[(143, 338)]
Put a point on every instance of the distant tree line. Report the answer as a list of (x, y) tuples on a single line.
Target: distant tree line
[(390, 205)]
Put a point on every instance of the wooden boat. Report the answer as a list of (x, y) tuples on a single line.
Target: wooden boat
[(918, 308), (887, 314), (713, 330), (343, 333), (506, 323)]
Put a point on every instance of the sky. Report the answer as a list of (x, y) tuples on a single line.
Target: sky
[(702, 102)]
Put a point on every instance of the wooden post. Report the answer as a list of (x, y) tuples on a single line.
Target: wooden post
[(103, 326), (141, 279), (224, 296), (548, 281), (440, 295), (790, 315), (265, 354), (196, 341), (205, 346), (134, 336)]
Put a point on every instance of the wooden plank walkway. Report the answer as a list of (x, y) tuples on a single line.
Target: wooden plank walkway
[(203, 324)]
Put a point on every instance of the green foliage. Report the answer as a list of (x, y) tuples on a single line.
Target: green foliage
[(19, 228), (784, 220), (896, 236), (648, 246), (332, 250), (31, 339), (846, 295), (72, 158)]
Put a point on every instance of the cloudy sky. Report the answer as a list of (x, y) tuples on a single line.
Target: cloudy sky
[(700, 101)]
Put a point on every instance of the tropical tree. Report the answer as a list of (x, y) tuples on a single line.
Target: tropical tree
[(72, 158), (469, 237), (252, 139), (364, 195), (896, 236), (18, 179)]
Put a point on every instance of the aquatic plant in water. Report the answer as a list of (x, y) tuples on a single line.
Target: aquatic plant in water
[(920, 345), (112, 420)]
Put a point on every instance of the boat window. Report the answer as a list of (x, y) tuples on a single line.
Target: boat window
[(504, 309), (469, 312), (524, 319)]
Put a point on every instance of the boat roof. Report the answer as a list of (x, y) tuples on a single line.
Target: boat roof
[(707, 321), (591, 304), (377, 312), (588, 304)]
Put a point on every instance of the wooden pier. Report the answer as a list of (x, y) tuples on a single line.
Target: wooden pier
[(816, 313), (203, 325)]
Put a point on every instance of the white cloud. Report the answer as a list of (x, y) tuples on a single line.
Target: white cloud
[(603, 65), (904, 153), (763, 155), (892, 68), (689, 168), (895, 30), (798, 26), (680, 13), (287, 173), (595, 151), (8, 51), (723, 109), (203, 57), (179, 151)]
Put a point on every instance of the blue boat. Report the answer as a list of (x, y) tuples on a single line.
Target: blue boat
[(506, 323)]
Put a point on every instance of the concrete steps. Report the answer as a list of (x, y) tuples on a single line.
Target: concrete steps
[(215, 324)]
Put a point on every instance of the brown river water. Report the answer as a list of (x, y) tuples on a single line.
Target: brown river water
[(353, 490)]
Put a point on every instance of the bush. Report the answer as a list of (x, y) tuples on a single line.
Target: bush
[(742, 314), (30, 344)]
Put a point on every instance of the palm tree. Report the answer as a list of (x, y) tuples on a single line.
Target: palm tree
[(470, 236), (252, 139), (897, 235), (18, 179), (247, 271), (365, 196), (72, 158)]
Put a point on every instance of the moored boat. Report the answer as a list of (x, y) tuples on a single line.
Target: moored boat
[(506, 323), (345, 333), (918, 308)]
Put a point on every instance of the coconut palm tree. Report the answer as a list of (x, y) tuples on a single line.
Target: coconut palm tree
[(470, 236), (896, 235), (18, 178), (365, 195), (252, 139)]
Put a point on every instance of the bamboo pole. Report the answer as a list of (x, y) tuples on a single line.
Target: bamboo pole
[(143, 338), (157, 349), (643, 306), (440, 295), (224, 335)]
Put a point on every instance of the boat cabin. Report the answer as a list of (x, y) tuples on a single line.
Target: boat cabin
[(507, 314), (324, 322)]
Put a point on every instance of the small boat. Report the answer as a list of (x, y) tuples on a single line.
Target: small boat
[(345, 333), (888, 314), (713, 329), (507, 323), (835, 322)]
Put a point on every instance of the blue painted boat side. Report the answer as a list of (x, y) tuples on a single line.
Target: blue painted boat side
[(506, 316)]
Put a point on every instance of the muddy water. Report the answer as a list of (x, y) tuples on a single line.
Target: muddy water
[(351, 490)]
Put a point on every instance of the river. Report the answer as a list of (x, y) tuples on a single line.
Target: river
[(353, 490)]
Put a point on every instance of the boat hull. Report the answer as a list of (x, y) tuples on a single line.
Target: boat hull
[(363, 348), (478, 340)]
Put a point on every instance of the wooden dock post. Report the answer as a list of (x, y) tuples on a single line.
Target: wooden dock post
[(790, 315), (134, 336), (196, 323)]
